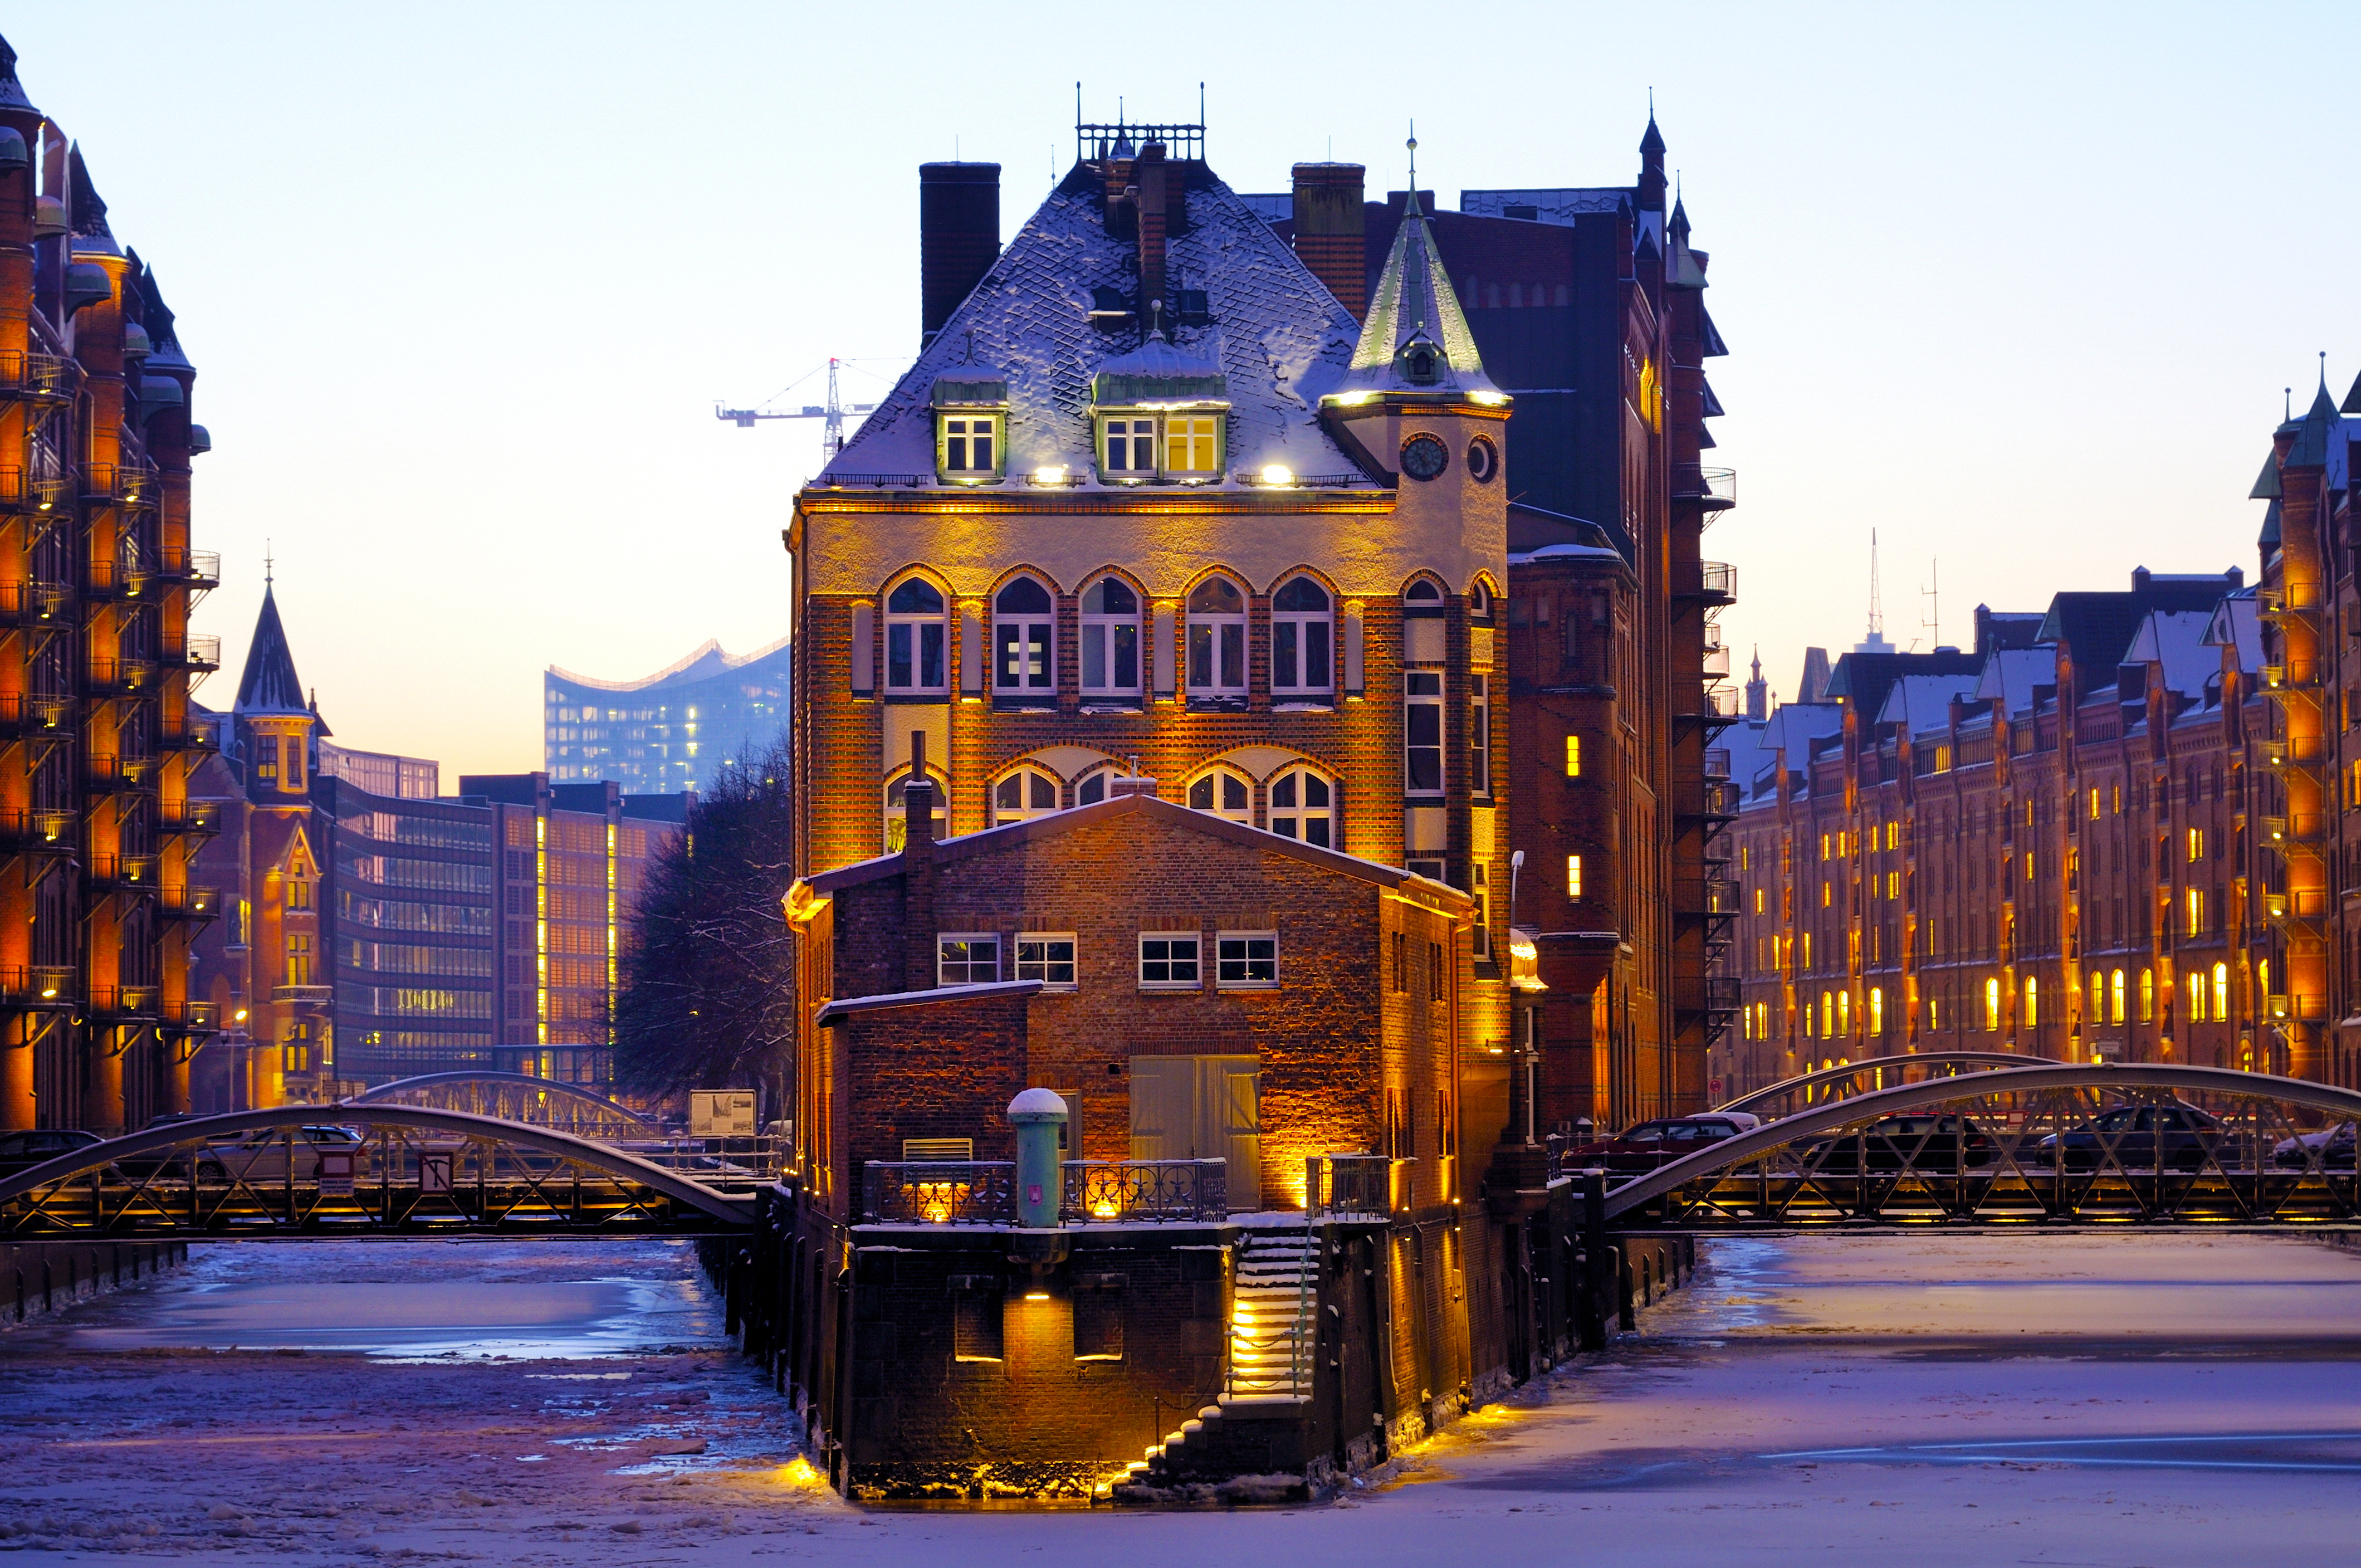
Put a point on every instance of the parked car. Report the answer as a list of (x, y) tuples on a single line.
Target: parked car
[(2173, 1136), (1651, 1143), (1928, 1143), (263, 1155), (22, 1151), (2333, 1147)]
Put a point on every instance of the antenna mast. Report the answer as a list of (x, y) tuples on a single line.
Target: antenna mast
[(1877, 601), (1933, 593)]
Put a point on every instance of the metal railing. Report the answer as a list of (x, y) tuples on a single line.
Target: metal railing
[(45, 376), (24, 714), (2300, 674), (1348, 1184), (1193, 1189), (40, 985), (125, 1001), (197, 1016), (2302, 598), (2305, 1009), (938, 1193), (874, 481), (125, 870), (2293, 752), (2302, 828), (189, 817), (28, 604), (725, 1165), (199, 568), (51, 832), (191, 902), (1706, 579), (195, 652), (22, 490), (2302, 903)]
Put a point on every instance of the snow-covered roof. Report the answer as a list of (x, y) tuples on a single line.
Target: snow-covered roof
[(1792, 729), (2175, 642), (1274, 335), (1565, 553), (1414, 321), (2236, 623), (2011, 673), (1923, 703)]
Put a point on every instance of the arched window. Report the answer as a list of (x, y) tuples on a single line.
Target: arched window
[(1479, 600), (916, 638), (1300, 623), (1303, 806), (1424, 595), (2220, 993), (2115, 997), (1110, 639), (1217, 639), (2147, 996), (1223, 792), (2098, 997), (1024, 623), (898, 821), (1092, 786), (1023, 792)]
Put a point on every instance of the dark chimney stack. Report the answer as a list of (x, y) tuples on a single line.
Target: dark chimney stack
[(959, 237), (918, 972), (1331, 238), (1153, 179)]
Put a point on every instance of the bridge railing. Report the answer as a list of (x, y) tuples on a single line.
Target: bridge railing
[(984, 1193)]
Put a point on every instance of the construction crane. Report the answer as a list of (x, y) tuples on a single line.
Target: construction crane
[(833, 412)]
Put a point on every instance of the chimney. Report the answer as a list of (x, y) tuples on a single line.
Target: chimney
[(959, 237), (1330, 238), (2139, 579), (1118, 788), (1152, 178), (918, 971)]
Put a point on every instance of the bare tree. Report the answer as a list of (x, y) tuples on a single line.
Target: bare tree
[(707, 998)]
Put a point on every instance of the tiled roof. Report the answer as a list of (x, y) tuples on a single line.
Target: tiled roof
[(1277, 335), (1414, 299), (269, 683)]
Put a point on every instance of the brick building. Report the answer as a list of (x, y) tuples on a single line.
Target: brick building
[(97, 576)]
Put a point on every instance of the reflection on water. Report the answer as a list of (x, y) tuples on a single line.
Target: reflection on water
[(408, 1300)]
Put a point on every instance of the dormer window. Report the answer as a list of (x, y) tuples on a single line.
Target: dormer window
[(1127, 448), (1193, 445), (969, 447)]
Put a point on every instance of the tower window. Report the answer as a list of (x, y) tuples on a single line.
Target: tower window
[(1024, 623), (1422, 731), (1217, 639), (1110, 639), (916, 638)]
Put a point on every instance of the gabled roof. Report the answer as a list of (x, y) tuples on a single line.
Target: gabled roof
[(2351, 403), (87, 217), (995, 840), (844, 1006), (2236, 624), (1923, 703), (1416, 310), (269, 683), (2175, 642), (2098, 627), (2269, 537), (1278, 337), (2009, 676)]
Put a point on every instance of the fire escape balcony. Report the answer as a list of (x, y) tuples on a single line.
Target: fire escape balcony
[(37, 833), (32, 604), (1713, 489), (2298, 835), (129, 873), (200, 653), (2299, 678), (125, 1002), (52, 987), (193, 1017), (2293, 752), (189, 903), (186, 737), (193, 568), (119, 678), (2281, 603), (123, 484), (104, 774), (1712, 582), (2308, 1009), (303, 995), (35, 494), (24, 715), (194, 817), (38, 378), (2303, 908), (114, 579)]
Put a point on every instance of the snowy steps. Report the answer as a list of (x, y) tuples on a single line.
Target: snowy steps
[(1271, 1301)]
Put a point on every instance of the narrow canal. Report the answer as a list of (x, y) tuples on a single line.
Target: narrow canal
[(2115, 1399)]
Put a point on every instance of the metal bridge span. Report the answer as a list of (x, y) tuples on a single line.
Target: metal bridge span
[(2035, 1142), (353, 1172)]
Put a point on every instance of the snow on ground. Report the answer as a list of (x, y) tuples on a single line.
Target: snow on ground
[(2092, 1398)]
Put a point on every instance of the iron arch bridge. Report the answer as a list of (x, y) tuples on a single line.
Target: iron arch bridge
[(1851, 1078), (515, 1097), (2038, 1144), (361, 1171)]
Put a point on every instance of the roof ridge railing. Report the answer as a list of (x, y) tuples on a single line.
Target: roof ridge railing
[(1182, 143)]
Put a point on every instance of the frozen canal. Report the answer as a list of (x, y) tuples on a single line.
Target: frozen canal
[(2096, 1398)]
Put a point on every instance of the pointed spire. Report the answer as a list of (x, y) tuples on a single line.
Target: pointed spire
[(2319, 424), (12, 91), (2351, 403), (2267, 483), (1411, 209), (86, 217), (269, 683), (1653, 141), (1414, 338)]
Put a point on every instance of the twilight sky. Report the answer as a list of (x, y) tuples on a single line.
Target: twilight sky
[(2019, 287)]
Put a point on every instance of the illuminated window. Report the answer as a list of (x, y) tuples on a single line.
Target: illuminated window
[(917, 636), (2147, 996), (1024, 792), (970, 445), (1893, 832), (1301, 622), (1110, 639), (2028, 865), (1574, 756), (2032, 1001), (2115, 997), (1193, 444), (1048, 957), (1824, 846), (2196, 996), (299, 960), (1246, 960), (1482, 892), (1935, 1013), (1758, 901), (1825, 893), (966, 958), (1422, 731), (2098, 997), (2094, 804), (1479, 736), (2196, 912), (2196, 845), (1877, 1010), (1303, 806), (2220, 993), (1127, 448), (298, 893), (1892, 884), (1217, 639), (1168, 961), (1023, 630), (1221, 792), (294, 772), (1574, 876), (1991, 1006), (1827, 1013)]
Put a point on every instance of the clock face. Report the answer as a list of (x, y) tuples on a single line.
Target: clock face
[(1482, 460), (1424, 458)]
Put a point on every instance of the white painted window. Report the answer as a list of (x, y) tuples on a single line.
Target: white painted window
[(1092, 786), (1224, 794), (1193, 444), (1127, 448), (1217, 639), (1479, 736), (1168, 961), (1110, 640), (970, 445), (1246, 960), (898, 819), (1022, 793), (916, 638), (1303, 806), (966, 958), (1048, 957), (1023, 633), (1303, 623), (1422, 731)]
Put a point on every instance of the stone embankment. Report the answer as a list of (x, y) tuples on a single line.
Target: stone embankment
[(38, 1278)]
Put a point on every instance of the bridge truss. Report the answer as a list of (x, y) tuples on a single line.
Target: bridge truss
[(515, 1097), (1790, 1094), (354, 1171), (2033, 1144)]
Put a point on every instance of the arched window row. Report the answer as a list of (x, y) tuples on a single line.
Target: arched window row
[(1299, 800)]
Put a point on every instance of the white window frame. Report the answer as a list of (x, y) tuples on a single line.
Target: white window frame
[(966, 428), (1045, 963), (911, 628), (1187, 438), (1137, 428), (1032, 636), (1224, 644), (1195, 961), (1097, 783), (1299, 815), (1223, 797), (971, 939), (1102, 634), (1030, 781), (1480, 890), (1480, 737), (1234, 956), (1422, 696), (1293, 635)]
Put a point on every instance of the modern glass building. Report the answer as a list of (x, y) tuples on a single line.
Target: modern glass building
[(665, 732)]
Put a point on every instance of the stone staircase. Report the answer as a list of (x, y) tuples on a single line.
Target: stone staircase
[(1255, 1435)]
